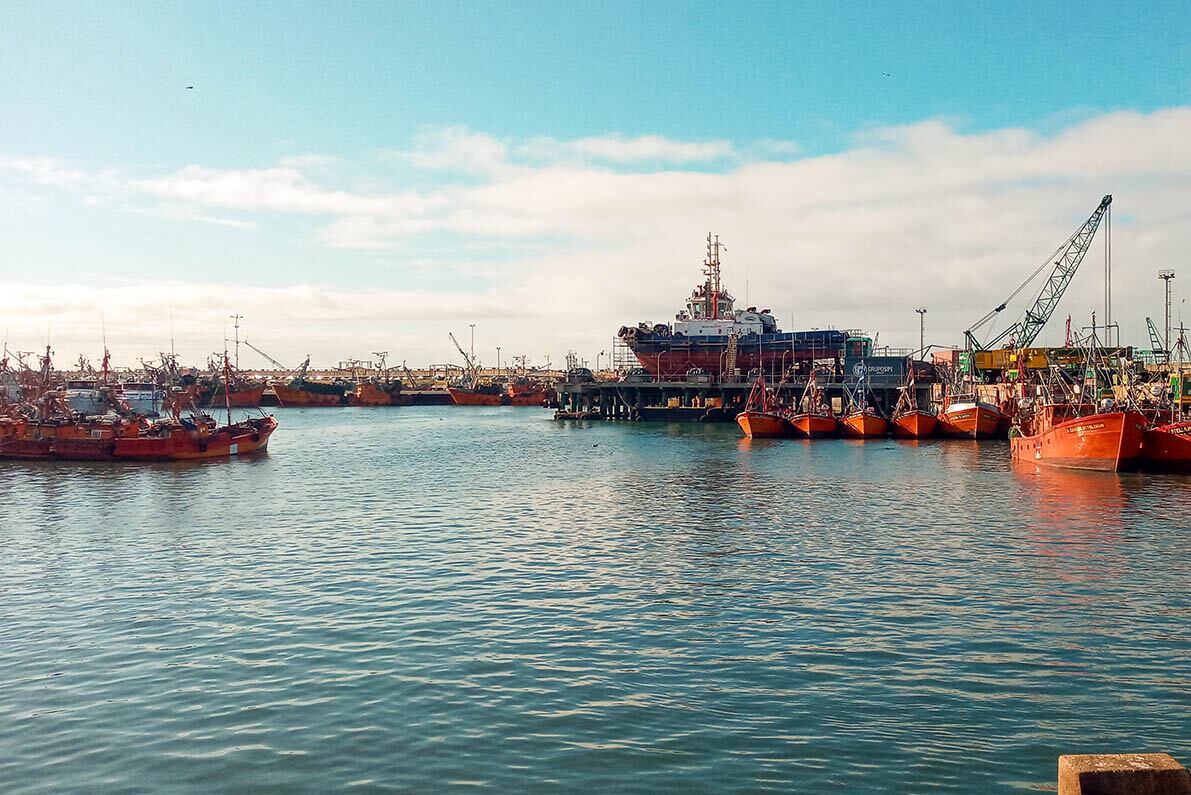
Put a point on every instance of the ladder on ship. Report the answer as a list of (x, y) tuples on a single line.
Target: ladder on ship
[(733, 343)]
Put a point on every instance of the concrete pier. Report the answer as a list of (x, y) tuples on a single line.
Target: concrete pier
[(1122, 774), (696, 400)]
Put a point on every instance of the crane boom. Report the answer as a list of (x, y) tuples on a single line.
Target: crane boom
[(1066, 261), (1157, 346), (271, 360), (470, 364)]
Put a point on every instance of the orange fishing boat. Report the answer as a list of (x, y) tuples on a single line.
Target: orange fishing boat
[(970, 419), (818, 421), (527, 394), (1167, 448), (1106, 441), (302, 394), (379, 393), (865, 423), (909, 420), (246, 396), (815, 425), (760, 419), (479, 395), (914, 424)]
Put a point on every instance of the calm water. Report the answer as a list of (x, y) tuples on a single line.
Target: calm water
[(432, 599)]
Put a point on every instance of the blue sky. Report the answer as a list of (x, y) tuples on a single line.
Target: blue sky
[(98, 90)]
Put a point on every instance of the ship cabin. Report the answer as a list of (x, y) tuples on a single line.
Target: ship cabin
[(698, 319)]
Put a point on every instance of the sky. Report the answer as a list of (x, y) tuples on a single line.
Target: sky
[(357, 177)]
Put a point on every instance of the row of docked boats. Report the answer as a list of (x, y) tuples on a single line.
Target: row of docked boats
[(90, 421), (811, 417), (1062, 431)]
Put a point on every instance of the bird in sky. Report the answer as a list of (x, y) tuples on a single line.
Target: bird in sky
[(885, 74), (189, 88)]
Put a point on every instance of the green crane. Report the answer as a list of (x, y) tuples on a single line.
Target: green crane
[(1066, 259)]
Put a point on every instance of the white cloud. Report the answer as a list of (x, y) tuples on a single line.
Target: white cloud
[(910, 215)]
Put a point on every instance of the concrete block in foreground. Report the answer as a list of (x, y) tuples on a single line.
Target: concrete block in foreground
[(1122, 774)]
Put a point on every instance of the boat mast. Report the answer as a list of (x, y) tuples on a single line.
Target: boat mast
[(711, 267)]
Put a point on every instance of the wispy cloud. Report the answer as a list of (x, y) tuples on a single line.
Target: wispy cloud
[(602, 230)]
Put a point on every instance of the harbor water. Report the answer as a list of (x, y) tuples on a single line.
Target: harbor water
[(436, 599)]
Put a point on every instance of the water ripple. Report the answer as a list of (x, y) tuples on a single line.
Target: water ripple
[(433, 599)]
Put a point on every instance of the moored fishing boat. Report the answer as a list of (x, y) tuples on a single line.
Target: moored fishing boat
[(970, 419), (864, 423), (914, 424), (1167, 448), (301, 391), (378, 393), (478, 395), (1108, 441), (815, 419), (527, 393), (909, 420), (761, 419)]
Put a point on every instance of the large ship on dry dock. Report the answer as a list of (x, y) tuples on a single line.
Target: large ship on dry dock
[(713, 336)]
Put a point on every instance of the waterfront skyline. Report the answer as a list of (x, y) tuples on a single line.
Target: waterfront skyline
[(373, 177)]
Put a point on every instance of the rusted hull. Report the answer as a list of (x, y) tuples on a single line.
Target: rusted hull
[(815, 426), (1108, 442), (132, 442), (292, 396), (864, 426), (915, 425), (373, 395), (1168, 448), (972, 422), (246, 398), (467, 397), (764, 425), (532, 397), (187, 446)]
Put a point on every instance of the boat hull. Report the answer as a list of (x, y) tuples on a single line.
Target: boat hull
[(1167, 448), (815, 426), (670, 356), (1108, 442), (295, 396), (865, 426), (970, 421), (245, 398), (369, 394), (132, 442), (469, 397), (764, 425), (527, 397), (915, 425)]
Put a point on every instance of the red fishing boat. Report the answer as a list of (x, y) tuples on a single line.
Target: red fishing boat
[(1167, 448), (760, 418), (478, 395), (241, 396), (914, 424), (909, 420), (1108, 441), (817, 420), (527, 393), (970, 419), (865, 423)]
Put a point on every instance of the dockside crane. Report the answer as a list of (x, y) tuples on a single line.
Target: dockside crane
[(471, 366), (1065, 259), (269, 358), (1157, 345)]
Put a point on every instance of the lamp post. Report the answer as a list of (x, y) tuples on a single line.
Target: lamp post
[(1166, 276), (236, 318), (921, 331), (498, 361), (473, 341)]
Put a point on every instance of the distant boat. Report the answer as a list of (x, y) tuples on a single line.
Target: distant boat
[(970, 419), (818, 421)]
